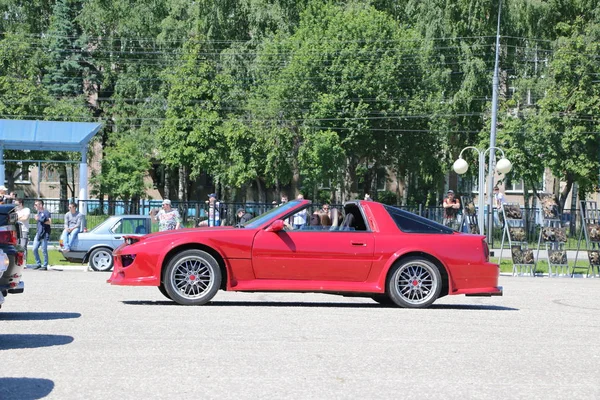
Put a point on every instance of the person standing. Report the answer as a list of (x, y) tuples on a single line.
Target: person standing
[(23, 214), (499, 202), (4, 197), (299, 219), (214, 216), (451, 206), (73, 225), (168, 218), (42, 236)]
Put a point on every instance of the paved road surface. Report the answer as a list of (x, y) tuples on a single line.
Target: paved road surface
[(72, 336)]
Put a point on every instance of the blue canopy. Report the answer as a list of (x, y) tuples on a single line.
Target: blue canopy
[(46, 135)]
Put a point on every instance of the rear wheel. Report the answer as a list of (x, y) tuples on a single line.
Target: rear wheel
[(101, 259), (414, 283), (192, 277)]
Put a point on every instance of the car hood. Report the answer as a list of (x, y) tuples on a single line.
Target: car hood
[(188, 230)]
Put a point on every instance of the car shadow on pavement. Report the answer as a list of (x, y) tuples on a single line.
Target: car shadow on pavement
[(475, 307), (313, 305), (25, 388), (259, 304), (37, 316), (20, 341)]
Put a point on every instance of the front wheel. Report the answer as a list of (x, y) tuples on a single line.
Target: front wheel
[(414, 283), (162, 290), (101, 259), (192, 277), (383, 299)]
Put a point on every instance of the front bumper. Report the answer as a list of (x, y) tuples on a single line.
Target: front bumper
[(489, 292), (141, 272)]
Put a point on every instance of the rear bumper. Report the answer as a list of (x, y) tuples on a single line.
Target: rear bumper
[(20, 288), (488, 292)]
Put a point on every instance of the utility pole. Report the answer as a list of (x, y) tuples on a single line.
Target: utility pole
[(491, 168)]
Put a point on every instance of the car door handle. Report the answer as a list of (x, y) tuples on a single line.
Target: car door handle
[(358, 244), (117, 237)]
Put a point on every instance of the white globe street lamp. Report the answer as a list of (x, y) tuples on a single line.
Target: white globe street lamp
[(460, 166), (503, 166)]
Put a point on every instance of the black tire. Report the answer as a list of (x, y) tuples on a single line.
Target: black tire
[(414, 282), (192, 277), (101, 259), (162, 289), (383, 299)]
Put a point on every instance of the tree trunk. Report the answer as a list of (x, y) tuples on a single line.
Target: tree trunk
[(63, 183), (182, 192), (73, 181), (349, 187), (262, 198), (167, 183), (295, 167)]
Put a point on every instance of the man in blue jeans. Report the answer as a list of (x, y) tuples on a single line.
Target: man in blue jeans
[(42, 235), (73, 225)]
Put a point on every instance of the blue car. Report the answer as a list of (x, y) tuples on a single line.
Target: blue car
[(96, 246)]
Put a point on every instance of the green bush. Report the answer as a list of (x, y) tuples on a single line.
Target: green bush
[(387, 197)]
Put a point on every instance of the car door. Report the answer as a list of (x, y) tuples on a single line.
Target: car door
[(122, 227), (323, 255)]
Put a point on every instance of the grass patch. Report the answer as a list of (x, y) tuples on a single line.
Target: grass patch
[(55, 257), (541, 266)]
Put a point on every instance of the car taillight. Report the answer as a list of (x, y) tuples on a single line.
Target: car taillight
[(8, 237), (19, 259), (486, 250)]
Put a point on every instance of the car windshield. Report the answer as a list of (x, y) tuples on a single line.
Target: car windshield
[(261, 219)]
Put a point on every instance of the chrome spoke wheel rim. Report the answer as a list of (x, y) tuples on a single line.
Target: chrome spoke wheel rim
[(416, 282), (192, 277), (102, 260)]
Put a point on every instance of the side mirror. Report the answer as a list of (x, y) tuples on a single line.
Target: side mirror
[(276, 226)]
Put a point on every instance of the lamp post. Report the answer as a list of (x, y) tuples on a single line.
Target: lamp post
[(503, 166), (495, 84)]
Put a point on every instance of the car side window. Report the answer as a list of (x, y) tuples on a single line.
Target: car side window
[(139, 226), (412, 223), (118, 227)]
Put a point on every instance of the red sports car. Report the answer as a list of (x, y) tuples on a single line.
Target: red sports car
[(376, 251)]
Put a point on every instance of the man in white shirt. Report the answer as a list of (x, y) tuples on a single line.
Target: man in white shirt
[(23, 214), (299, 219), (499, 200)]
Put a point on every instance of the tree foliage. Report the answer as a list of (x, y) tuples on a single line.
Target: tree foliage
[(297, 94)]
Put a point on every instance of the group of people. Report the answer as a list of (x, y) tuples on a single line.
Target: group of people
[(326, 216), (451, 206), (73, 224), (168, 218)]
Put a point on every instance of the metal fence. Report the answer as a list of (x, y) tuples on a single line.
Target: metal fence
[(193, 212)]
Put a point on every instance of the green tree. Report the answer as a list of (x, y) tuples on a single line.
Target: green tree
[(124, 167), (342, 71), (64, 73), (192, 134)]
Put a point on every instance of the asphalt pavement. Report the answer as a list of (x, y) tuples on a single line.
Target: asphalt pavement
[(73, 336)]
